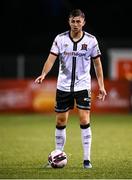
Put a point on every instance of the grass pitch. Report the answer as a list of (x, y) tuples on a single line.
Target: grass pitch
[(26, 140)]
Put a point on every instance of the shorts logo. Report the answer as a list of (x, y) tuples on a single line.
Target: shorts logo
[(86, 99)]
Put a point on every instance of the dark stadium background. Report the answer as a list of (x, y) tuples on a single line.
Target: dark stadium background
[(29, 27), (27, 119)]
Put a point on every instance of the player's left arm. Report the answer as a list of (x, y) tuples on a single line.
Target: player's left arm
[(99, 74)]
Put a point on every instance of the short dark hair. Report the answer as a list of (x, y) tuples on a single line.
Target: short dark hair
[(76, 12)]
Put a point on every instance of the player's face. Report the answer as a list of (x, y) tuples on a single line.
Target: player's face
[(76, 23)]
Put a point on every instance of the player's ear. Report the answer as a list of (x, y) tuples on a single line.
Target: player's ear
[(84, 22), (69, 21)]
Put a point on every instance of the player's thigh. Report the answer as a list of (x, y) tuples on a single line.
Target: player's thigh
[(62, 118), (83, 103)]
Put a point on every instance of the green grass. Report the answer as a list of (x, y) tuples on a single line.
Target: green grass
[(26, 140)]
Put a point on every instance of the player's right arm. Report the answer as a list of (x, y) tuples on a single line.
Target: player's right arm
[(46, 68)]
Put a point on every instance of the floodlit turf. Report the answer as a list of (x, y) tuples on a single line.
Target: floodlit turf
[(26, 140)]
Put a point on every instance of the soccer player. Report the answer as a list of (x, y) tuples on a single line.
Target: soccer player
[(75, 50)]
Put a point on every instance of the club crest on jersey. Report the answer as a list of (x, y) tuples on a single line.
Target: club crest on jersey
[(84, 47)]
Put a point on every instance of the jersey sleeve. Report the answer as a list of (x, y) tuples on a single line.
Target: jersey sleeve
[(55, 46), (95, 49)]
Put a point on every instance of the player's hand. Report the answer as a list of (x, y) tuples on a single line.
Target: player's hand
[(102, 94), (40, 79)]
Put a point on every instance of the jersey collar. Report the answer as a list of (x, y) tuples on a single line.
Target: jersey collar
[(78, 40)]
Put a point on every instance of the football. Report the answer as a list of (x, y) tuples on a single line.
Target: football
[(57, 159)]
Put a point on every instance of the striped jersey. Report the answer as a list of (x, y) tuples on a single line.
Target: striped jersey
[(74, 60)]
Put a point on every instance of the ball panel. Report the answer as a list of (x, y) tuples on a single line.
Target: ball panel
[(57, 159)]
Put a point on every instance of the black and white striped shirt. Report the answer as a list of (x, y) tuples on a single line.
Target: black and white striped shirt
[(75, 60)]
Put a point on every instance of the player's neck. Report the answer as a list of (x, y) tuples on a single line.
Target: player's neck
[(76, 35)]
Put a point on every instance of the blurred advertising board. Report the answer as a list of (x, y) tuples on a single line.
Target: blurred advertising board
[(26, 96), (118, 97), (120, 64), (15, 95)]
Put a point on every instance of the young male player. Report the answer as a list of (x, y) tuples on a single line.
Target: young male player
[(75, 50)]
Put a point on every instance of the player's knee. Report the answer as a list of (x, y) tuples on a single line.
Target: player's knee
[(61, 122), (84, 121), (84, 118)]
